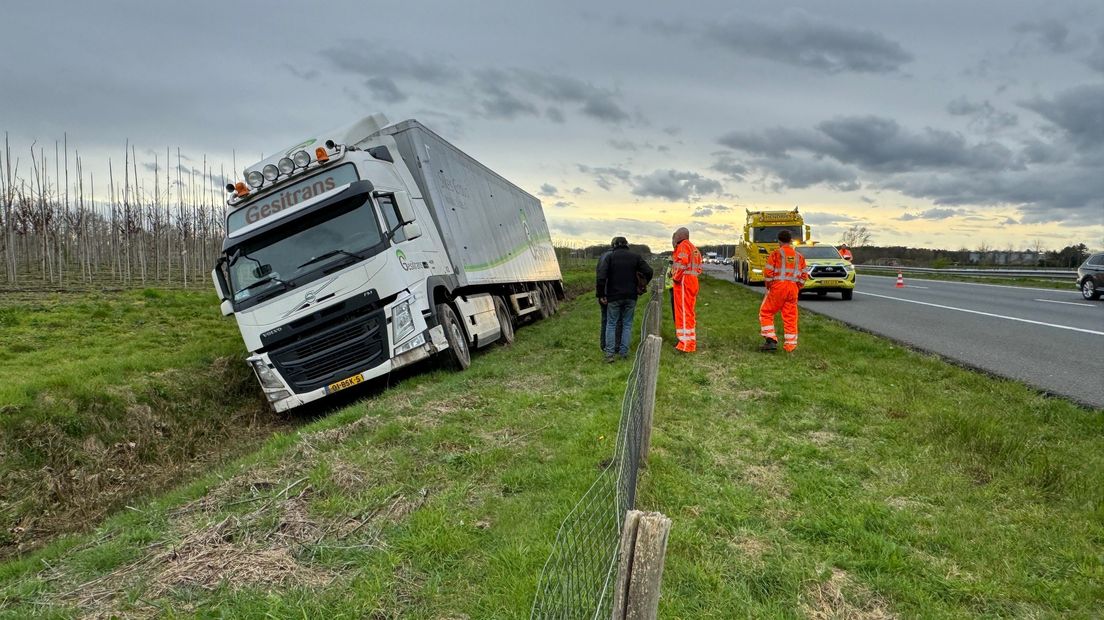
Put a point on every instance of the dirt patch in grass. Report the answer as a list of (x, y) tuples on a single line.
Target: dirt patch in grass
[(768, 478), (749, 546), (823, 438), (268, 546), (841, 598)]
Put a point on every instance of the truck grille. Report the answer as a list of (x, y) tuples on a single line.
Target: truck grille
[(333, 354), (828, 271)]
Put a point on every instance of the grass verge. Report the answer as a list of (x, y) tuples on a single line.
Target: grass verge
[(109, 397), (853, 479)]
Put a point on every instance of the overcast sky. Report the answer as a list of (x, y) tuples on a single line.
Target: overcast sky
[(935, 123)]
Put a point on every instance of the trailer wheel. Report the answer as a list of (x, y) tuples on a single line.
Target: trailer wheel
[(550, 294), (545, 305), (505, 322), (458, 356)]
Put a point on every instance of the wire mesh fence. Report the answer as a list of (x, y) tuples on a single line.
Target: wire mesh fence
[(577, 579)]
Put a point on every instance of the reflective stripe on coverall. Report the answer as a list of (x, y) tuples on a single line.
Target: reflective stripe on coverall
[(685, 269), (784, 275)]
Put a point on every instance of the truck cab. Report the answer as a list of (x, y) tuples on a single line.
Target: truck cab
[(760, 238)]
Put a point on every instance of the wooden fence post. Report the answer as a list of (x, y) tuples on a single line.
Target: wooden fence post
[(649, 376), (640, 568)]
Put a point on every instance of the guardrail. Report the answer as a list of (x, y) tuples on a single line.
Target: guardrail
[(1051, 274)]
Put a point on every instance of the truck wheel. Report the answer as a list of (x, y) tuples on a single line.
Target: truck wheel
[(458, 356), (505, 322), (847, 295)]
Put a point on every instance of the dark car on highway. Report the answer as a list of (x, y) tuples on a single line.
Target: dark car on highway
[(1090, 276)]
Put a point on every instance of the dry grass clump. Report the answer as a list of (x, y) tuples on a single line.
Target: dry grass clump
[(842, 598)]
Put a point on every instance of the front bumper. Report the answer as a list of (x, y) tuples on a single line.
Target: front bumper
[(433, 341), (830, 284)]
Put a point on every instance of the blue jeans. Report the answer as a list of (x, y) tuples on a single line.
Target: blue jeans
[(619, 311)]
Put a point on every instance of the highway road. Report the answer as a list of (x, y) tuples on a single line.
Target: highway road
[(1051, 339)]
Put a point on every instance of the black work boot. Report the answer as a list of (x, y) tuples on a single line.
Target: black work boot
[(769, 345)]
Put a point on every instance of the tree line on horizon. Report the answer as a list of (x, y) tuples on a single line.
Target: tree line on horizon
[(145, 224)]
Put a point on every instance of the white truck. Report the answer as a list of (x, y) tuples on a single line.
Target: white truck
[(373, 247)]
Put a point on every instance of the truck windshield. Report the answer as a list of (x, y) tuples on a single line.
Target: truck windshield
[(304, 249), (819, 251), (769, 234)]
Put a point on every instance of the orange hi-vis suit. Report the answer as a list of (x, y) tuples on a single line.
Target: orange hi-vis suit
[(845, 253), (686, 266), (784, 275)]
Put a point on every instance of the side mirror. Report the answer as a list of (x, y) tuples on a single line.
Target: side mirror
[(412, 230), (217, 278), (226, 307), (406, 210)]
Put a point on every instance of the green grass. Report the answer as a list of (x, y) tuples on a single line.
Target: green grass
[(854, 478), (1029, 282), (105, 398)]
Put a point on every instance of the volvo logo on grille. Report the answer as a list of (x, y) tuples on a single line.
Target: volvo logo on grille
[(310, 297)]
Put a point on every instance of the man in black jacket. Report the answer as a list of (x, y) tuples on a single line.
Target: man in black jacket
[(605, 312), (617, 288)]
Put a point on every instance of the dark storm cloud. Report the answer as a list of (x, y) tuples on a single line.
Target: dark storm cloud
[(554, 114), (820, 218), (801, 172), (365, 58), (874, 143), (1051, 34), (702, 212), (728, 166), (548, 190), (605, 177), (1095, 59), (1079, 111), (801, 39), (385, 90), (623, 145), (675, 185), (933, 214), (982, 115)]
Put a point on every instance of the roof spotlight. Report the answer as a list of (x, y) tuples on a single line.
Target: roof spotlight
[(254, 178), (286, 166), (301, 159), (270, 172), (229, 187)]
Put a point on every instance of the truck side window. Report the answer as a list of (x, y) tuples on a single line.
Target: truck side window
[(391, 217)]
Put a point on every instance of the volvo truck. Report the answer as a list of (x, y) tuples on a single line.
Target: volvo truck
[(366, 249), (760, 238)]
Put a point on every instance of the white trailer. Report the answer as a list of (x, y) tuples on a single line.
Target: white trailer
[(370, 248)]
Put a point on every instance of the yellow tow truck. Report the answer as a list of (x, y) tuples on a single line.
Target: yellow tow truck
[(828, 271), (761, 238)]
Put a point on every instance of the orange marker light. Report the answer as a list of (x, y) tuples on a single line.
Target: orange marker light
[(321, 155), (240, 189)]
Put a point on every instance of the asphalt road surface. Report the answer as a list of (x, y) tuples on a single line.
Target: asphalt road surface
[(1050, 339)]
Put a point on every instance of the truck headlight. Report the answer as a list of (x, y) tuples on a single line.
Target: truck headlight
[(268, 377), (402, 323), (848, 268)]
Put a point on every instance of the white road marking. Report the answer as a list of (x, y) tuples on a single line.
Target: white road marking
[(996, 316), (914, 286), (1068, 303), (1072, 288)]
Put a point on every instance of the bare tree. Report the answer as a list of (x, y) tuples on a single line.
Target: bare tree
[(856, 237)]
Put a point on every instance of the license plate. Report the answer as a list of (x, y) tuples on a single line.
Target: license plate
[(344, 383), (832, 282)]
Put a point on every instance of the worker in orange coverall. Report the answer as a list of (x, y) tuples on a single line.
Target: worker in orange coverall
[(784, 275), (845, 252), (686, 266)]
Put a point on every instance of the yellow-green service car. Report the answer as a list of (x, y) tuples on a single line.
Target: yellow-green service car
[(828, 271)]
